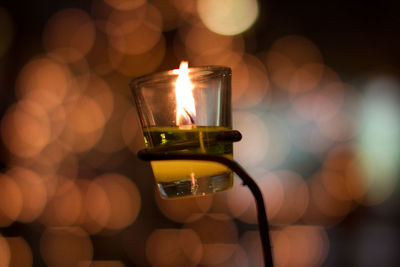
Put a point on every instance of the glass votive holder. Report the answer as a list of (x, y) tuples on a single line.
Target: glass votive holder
[(187, 110)]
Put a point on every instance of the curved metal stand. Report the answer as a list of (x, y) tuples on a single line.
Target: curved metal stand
[(149, 155)]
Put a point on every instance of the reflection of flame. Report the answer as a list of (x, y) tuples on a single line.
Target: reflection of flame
[(185, 109)]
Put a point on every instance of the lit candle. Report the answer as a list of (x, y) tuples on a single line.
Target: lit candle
[(187, 177)]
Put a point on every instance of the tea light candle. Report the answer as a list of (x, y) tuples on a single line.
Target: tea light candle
[(187, 177)]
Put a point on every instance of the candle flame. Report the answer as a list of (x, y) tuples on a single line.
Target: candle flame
[(185, 108)]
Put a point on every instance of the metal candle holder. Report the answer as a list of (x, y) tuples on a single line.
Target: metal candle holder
[(234, 136)]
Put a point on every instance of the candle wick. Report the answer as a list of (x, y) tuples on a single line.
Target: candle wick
[(191, 118)]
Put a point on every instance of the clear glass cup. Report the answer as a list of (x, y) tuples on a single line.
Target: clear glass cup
[(187, 111)]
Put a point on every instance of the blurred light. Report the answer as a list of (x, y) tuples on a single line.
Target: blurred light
[(79, 67), (231, 57), (379, 141), (251, 243), (131, 129), (250, 88), (85, 115), (218, 253), (80, 142), (99, 63), (6, 31), (278, 134), (297, 49), (135, 31), (327, 203), (85, 124), (329, 101), (229, 17), (5, 253), (242, 204), (186, 8), (340, 127), (312, 111), (83, 219), (240, 81), (33, 191), (113, 138), (200, 40), (238, 258), (300, 246), (174, 247), (239, 199), (125, 4), (11, 201), (306, 77), (97, 205), (342, 174), (306, 136), (320, 105), (219, 236), (220, 202), (195, 42), (184, 209), (170, 15), (98, 90), (113, 201), (58, 118), (65, 207), (44, 81), (21, 253), (25, 129), (140, 64), (100, 264), (252, 148), (281, 68), (294, 64), (69, 34), (295, 198), (65, 246)]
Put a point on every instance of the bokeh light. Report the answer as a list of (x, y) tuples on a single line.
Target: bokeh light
[(33, 192), (295, 198), (134, 31), (254, 145), (69, 34), (100, 264), (300, 246), (125, 4), (44, 81), (228, 17), (174, 247), (11, 200), (65, 206), (4, 252), (113, 201), (242, 205), (140, 64), (65, 246), (20, 252), (219, 236), (35, 135), (184, 210), (379, 142)]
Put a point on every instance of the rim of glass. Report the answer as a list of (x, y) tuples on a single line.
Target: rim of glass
[(200, 72)]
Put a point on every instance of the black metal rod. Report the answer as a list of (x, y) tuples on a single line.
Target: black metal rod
[(263, 225)]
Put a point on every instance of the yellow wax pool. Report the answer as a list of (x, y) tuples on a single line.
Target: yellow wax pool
[(176, 178)]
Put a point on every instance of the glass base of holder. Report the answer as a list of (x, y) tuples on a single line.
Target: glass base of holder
[(196, 186)]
